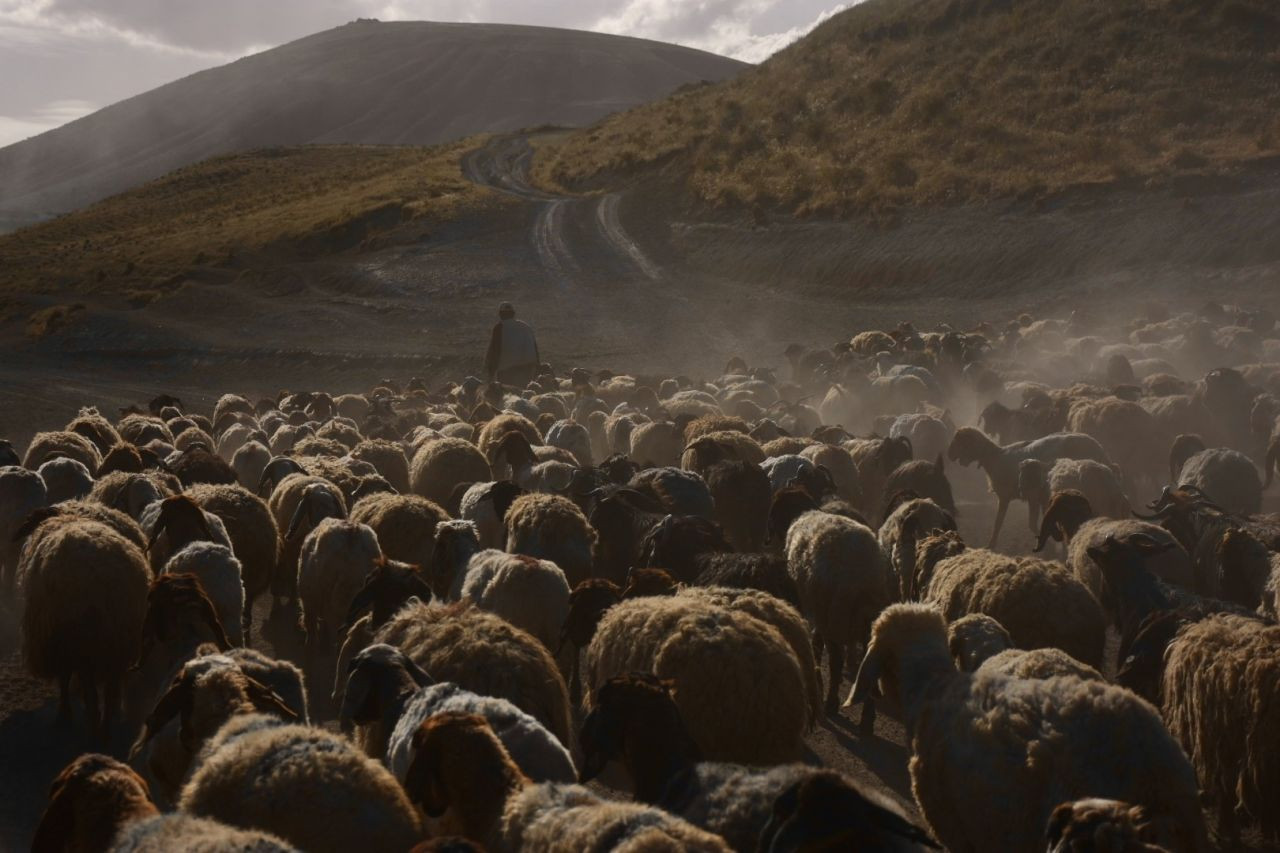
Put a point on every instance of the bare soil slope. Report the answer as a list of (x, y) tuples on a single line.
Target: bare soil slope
[(413, 83)]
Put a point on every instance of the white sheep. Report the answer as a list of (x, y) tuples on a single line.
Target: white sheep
[(334, 560), (550, 527), (844, 580), (65, 479), (22, 492), (992, 756)]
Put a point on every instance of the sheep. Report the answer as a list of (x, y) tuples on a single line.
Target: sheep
[(1227, 476), (550, 527), (1219, 692), (1040, 603), (50, 445), (737, 681), (483, 653), (298, 503), (877, 458), (827, 811), (140, 430), (764, 572), (332, 565), (389, 697), (837, 462), (714, 447), (93, 426), (1095, 824), (902, 531), (1126, 431), (249, 461), (784, 617), (924, 478), (513, 453), (116, 520), (983, 742), (65, 479), (174, 523), (462, 774), (439, 466), (131, 493), (388, 457), (22, 492), (1069, 519), (492, 433), (978, 641), (657, 444), (311, 788), (486, 505), (679, 492), (1038, 481), (572, 436), (97, 803), (531, 594), (742, 494), (251, 527), (405, 524), (197, 464), (206, 692), (1001, 464), (86, 596), (635, 720), (844, 579), (220, 577)]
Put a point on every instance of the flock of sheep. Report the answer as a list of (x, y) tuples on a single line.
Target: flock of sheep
[(501, 594)]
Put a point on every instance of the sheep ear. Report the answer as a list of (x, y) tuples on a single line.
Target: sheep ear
[(868, 676), (54, 832), (268, 701), (419, 675), (296, 521), (174, 702)]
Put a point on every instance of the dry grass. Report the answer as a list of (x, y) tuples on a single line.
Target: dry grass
[(272, 204), (928, 102)]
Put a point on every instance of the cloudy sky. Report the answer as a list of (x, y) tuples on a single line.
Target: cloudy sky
[(61, 59)]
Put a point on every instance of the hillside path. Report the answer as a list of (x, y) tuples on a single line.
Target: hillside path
[(569, 233)]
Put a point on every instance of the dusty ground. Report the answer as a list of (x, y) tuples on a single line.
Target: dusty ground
[(630, 282)]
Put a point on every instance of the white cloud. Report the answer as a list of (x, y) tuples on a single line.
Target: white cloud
[(54, 114)]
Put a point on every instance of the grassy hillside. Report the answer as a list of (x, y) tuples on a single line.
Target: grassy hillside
[(282, 203), (911, 102)]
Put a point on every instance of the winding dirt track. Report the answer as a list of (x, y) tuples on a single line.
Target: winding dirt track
[(503, 164)]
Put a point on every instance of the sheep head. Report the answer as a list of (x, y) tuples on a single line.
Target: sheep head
[(319, 501), (177, 604), (587, 605), (634, 718), (1066, 512), (456, 543), (183, 520), (908, 649), (204, 695), (460, 764), (649, 582), (275, 472), (975, 638), (386, 589), (90, 800), (376, 678)]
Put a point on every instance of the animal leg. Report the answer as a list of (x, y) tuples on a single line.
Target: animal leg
[(835, 652), (1001, 510)]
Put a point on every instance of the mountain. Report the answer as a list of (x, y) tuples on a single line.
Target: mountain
[(898, 103), (368, 82)]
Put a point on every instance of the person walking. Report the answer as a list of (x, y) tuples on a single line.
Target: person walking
[(512, 358)]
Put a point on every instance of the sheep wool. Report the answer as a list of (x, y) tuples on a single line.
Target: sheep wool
[(405, 525), (220, 577), (538, 753), (738, 684), (441, 465), (485, 654), (311, 788), (1039, 603), (553, 528), (531, 594)]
